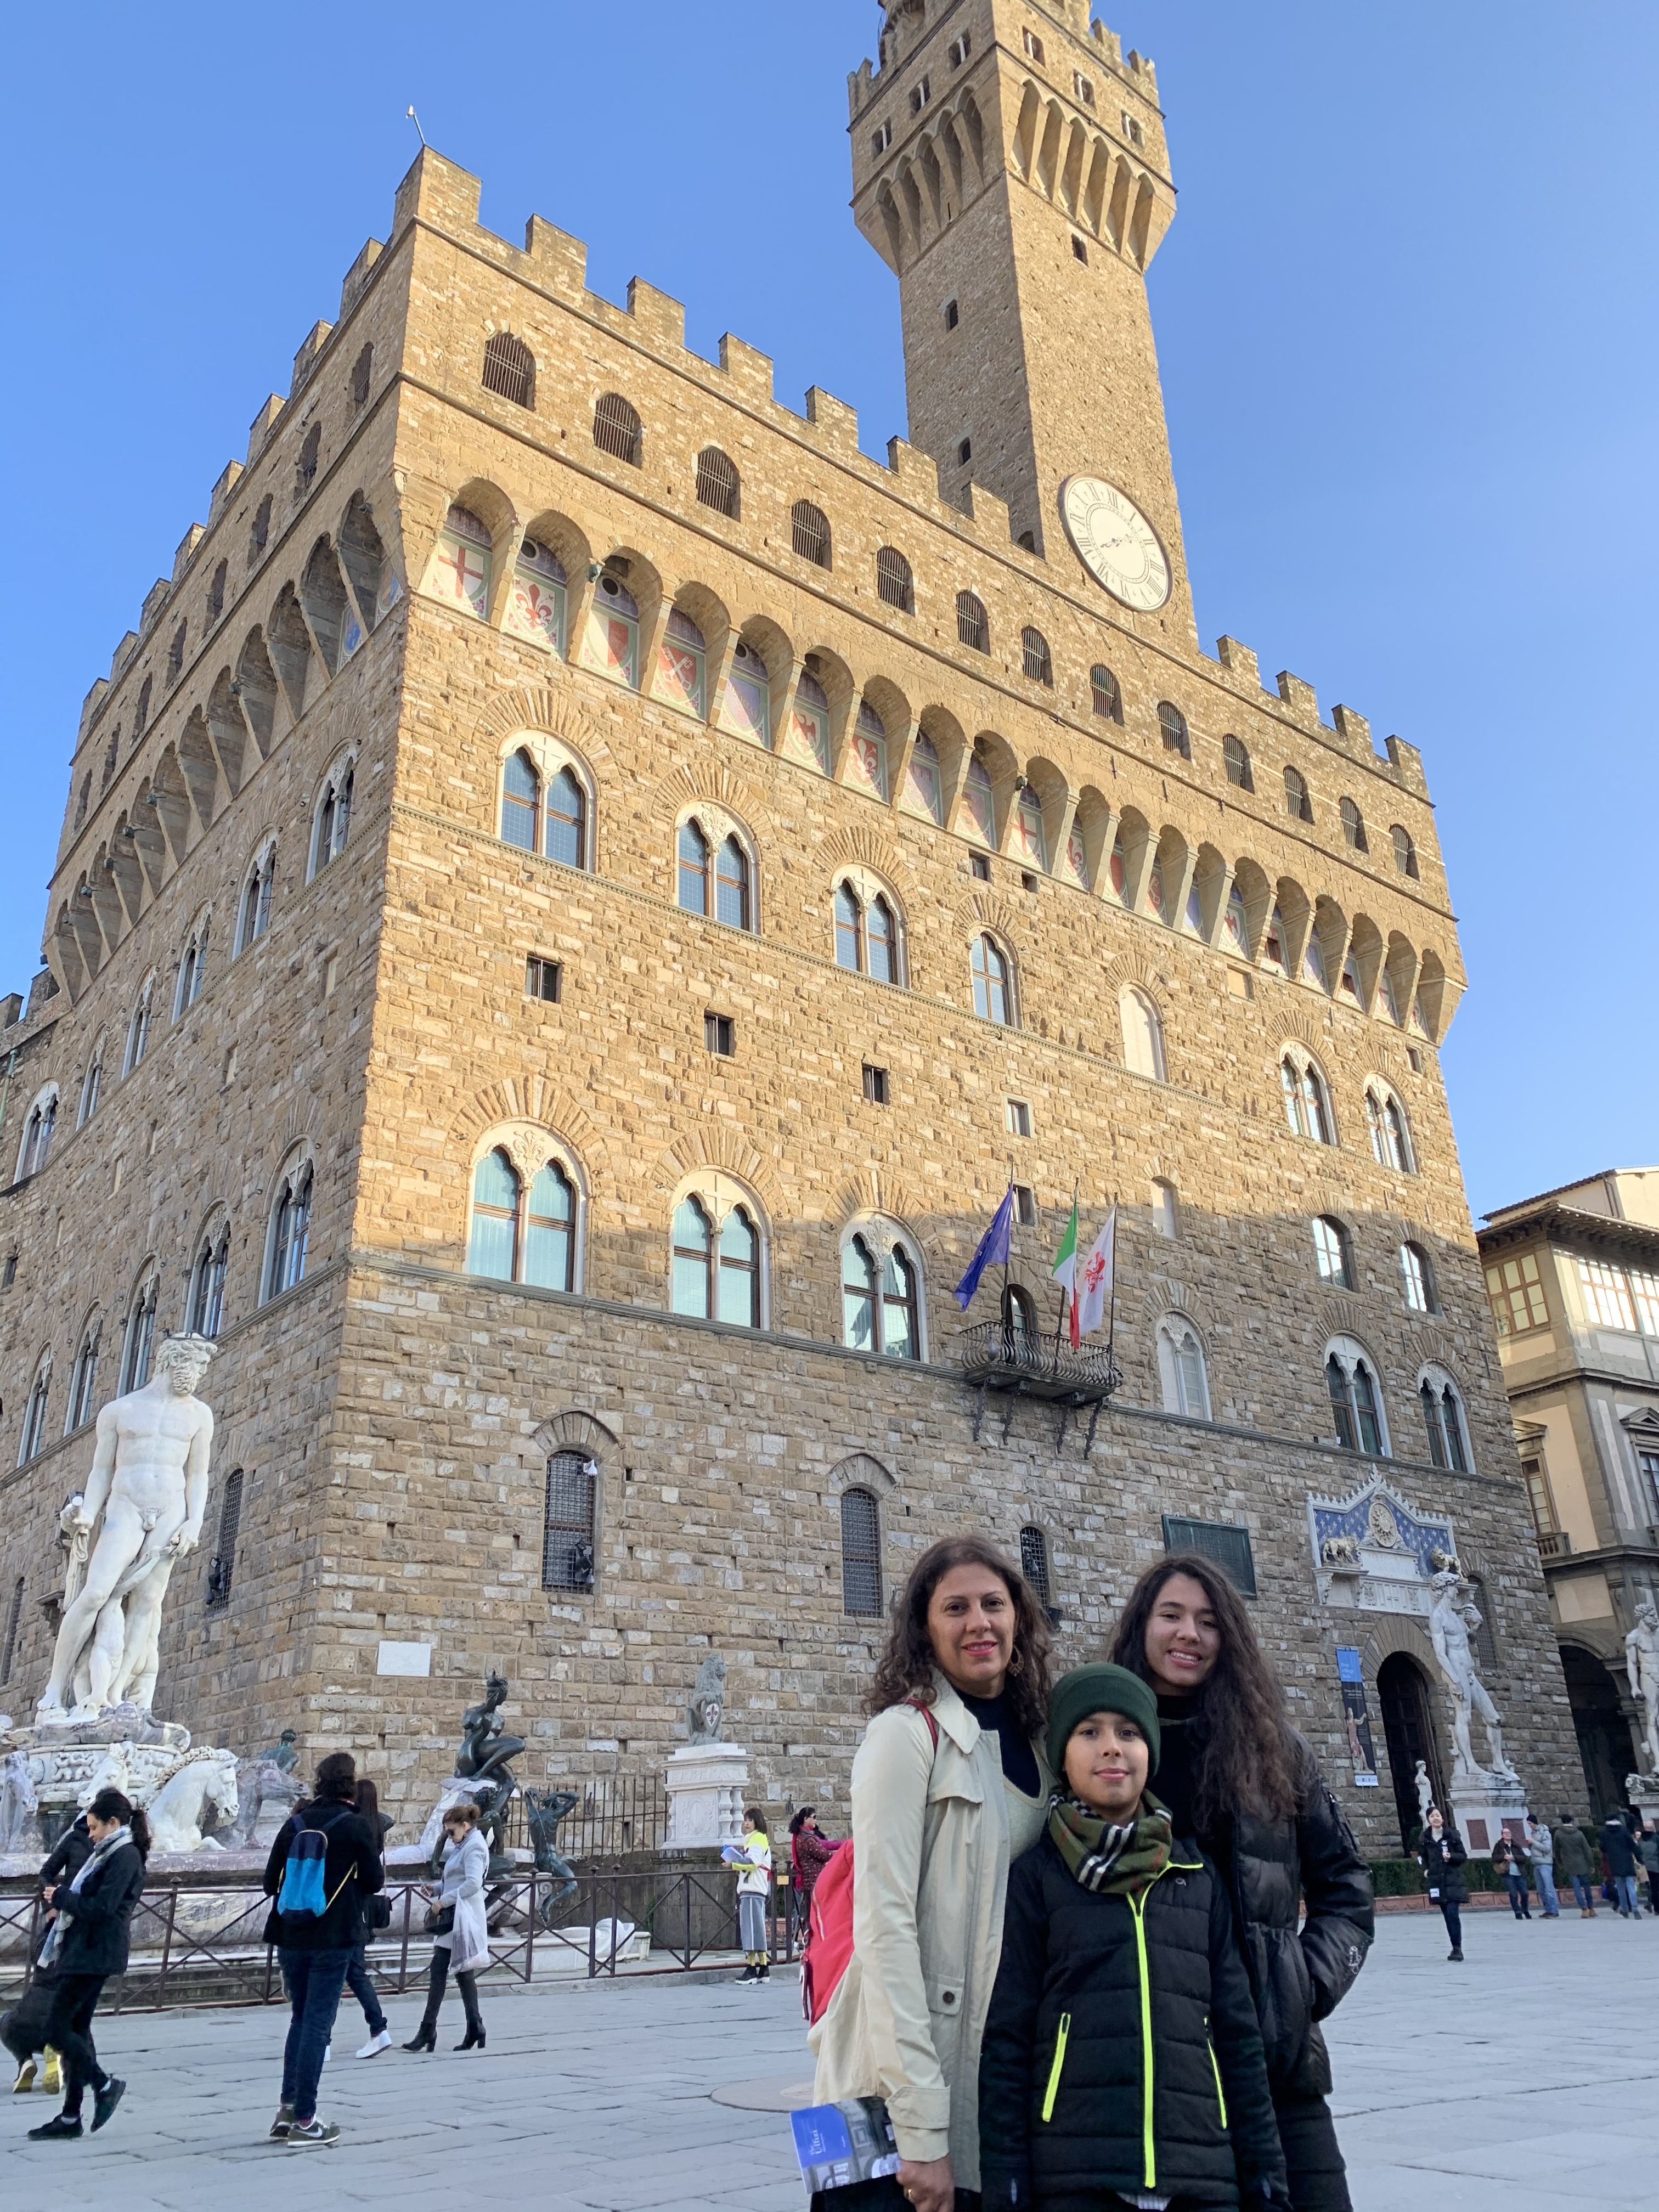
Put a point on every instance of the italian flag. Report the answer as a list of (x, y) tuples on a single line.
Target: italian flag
[(1065, 1272)]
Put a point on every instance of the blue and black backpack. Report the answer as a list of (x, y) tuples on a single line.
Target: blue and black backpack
[(303, 1891)]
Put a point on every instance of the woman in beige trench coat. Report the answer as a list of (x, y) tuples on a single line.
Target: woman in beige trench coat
[(949, 1785)]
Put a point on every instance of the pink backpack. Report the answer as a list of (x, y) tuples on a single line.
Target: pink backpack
[(824, 1961)]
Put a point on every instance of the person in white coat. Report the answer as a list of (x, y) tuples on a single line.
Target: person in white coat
[(460, 1937), (948, 1784)]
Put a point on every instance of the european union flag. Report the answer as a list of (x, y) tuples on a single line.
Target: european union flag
[(992, 1246)]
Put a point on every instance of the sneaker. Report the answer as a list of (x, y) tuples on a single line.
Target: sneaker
[(375, 2044), (104, 2101), (315, 2131), (53, 2080), (328, 2052), (747, 1975), (1454, 1958), (764, 1975), (281, 2123), (24, 2081), (58, 2129)]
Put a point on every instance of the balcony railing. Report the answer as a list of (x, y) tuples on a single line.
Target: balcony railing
[(997, 1355), (1555, 1544)]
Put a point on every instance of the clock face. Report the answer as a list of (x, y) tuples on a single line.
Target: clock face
[(1116, 543)]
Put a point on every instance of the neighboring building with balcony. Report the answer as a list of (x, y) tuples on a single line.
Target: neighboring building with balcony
[(1573, 1277)]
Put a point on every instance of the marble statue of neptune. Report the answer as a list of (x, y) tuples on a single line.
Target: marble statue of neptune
[(141, 1513)]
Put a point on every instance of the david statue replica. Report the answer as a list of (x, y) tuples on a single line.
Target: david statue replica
[(140, 1515)]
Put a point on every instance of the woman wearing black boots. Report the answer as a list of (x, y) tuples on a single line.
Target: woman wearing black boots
[(460, 1934)]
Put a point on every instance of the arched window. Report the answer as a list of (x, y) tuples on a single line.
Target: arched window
[(290, 1230), (333, 816), (1106, 693), (1385, 1122), (193, 971), (616, 430), (1356, 1401), (894, 581), (258, 535), (304, 468), (683, 665), (612, 645), (734, 904), (38, 1131), (924, 787), (880, 1303), (509, 368), (867, 756), (1353, 826), (978, 816), (693, 869), (536, 605), (1037, 660), (1030, 837), (253, 915), (809, 527), (1297, 805), (973, 623), (738, 1288), (207, 1282), (176, 650), (1180, 1369), (693, 1248), (993, 1001), (549, 1238), (1034, 1564), (521, 801), (140, 1333), (523, 1232), (221, 1567), (1143, 1034), (1019, 1320), (748, 709), (84, 1379), (461, 564), (137, 1032), (849, 928), (215, 597), (1307, 1101), (34, 1415), (568, 1521), (1405, 852), (718, 483), (1332, 1254), (91, 1084), (567, 819), (1173, 723), (716, 1275), (1236, 756), (860, 1554), (493, 1248), (1443, 1417), (362, 370), (1417, 1278), (141, 719)]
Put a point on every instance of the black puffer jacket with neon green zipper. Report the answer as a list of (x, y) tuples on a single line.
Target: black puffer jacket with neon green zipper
[(1122, 2050)]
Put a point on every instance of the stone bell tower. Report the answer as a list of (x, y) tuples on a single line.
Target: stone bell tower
[(1009, 166)]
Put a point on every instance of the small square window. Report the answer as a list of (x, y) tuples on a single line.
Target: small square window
[(8, 1273), (719, 1035), (1415, 1057), (1028, 882), (1224, 1542), (1085, 91), (1241, 983), (542, 979), (1024, 1206), (1018, 1115), (953, 314), (875, 1085), (1132, 130), (959, 49), (920, 96), (883, 138), (1033, 44), (965, 452), (979, 866), (1078, 248)]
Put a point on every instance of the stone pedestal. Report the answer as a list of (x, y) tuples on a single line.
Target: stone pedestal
[(1642, 1791), (52, 1771), (1481, 1804), (707, 1786)]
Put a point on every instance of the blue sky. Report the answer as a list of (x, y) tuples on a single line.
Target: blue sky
[(1407, 315)]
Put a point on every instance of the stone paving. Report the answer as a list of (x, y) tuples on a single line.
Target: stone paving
[(1526, 2080)]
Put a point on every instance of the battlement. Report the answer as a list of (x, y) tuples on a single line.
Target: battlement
[(911, 22)]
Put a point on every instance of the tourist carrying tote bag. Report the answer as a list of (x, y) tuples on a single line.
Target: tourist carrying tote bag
[(948, 1786), (459, 1929)]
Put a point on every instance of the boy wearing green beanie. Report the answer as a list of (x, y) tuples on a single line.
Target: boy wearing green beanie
[(1122, 2063)]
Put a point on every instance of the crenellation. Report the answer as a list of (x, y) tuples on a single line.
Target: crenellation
[(230, 475), (1354, 731), (656, 315), (155, 599), (437, 191), (187, 551), (835, 422), (564, 258), (310, 349), (263, 424), (355, 279), (1299, 696), (1407, 763), (1240, 662), (751, 370)]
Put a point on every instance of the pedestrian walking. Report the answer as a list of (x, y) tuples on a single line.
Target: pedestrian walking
[(460, 1930), (1646, 1849), (1575, 1860), (1540, 1842), (754, 1893), (1618, 1847), (809, 1852), (948, 1785), (23, 2029), (1239, 1779), (85, 1944), (1122, 2052), (1441, 1853), (1508, 1863), (325, 1862), (366, 1802)]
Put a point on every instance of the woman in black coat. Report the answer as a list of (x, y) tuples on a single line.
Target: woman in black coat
[(1236, 1776), (87, 1944), (1440, 1853)]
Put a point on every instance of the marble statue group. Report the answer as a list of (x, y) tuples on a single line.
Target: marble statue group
[(1453, 1619)]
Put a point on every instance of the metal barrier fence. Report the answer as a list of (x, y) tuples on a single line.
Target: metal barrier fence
[(691, 1918), (614, 1814)]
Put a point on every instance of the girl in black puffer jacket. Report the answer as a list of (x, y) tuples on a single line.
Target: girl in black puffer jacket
[(1237, 1778), (1122, 2056)]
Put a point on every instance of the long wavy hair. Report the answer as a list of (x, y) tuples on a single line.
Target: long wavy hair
[(906, 1666), (1249, 1761)]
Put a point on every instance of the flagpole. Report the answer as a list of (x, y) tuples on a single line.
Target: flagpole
[(1060, 1316), (1111, 1315), (1007, 1249)]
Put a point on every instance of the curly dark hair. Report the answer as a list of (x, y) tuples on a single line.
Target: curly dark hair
[(905, 1668), (1251, 1759)]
